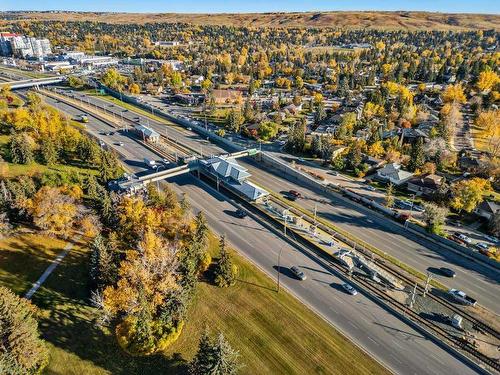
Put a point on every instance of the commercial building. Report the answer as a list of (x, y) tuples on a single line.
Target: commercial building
[(147, 134)]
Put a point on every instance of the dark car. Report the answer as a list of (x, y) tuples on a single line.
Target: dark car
[(447, 272), (298, 273), (294, 193), (240, 213)]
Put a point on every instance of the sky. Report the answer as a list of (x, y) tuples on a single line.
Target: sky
[(246, 6)]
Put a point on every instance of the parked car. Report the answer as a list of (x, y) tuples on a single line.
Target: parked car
[(462, 237), (371, 188), (298, 273), (483, 246), (491, 238), (241, 213), (447, 272), (349, 289)]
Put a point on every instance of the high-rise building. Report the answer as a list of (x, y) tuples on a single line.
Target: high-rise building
[(22, 46)]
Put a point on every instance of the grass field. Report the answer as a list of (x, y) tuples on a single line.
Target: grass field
[(273, 333), (401, 20)]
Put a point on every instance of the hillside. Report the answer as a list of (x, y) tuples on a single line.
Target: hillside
[(374, 20)]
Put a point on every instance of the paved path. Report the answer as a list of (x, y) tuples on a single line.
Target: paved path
[(49, 270)]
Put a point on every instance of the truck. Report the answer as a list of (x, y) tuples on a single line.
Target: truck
[(461, 297), (150, 162)]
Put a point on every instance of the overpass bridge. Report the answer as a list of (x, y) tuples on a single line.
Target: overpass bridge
[(132, 184), (35, 82)]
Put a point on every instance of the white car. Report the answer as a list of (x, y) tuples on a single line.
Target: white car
[(483, 245), (349, 289)]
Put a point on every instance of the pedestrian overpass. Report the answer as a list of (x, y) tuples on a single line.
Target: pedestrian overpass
[(133, 184), (35, 82)]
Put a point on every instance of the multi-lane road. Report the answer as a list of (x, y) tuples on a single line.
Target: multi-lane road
[(476, 279), (398, 346)]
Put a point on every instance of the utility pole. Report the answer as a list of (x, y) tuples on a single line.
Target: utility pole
[(315, 212), (279, 269), (427, 283)]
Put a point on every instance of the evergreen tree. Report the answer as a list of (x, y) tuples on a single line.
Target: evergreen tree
[(21, 149), (417, 155), (225, 270), (49, 152), (215, 357), (21, 349)]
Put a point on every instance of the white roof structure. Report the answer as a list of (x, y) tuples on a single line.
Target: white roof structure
[(393, 173)]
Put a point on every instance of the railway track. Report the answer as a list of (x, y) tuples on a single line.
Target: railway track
[(451, 339)]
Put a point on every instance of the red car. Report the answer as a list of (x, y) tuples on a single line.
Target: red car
[(294, 193)]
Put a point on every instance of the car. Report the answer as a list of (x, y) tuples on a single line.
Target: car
[(120, 143), (241, 213), (298, 273), (301, 160), (294, 193), (491, 238), (462, 237), (111, 133), (349, 289), (447, 272), (334, 173), (371, 188), (189, 128), (483, 246)]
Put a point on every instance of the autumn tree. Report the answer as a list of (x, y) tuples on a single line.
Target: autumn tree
[(225, 270), (467, 194), (487, 80), (434, 217), (389, 196), (454, 94), (234, 120), (149, 317), (22, 352), (53, 211)]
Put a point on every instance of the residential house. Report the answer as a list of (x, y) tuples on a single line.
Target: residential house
[(487, 209), (426, 185), (227, 96), (392, 173)]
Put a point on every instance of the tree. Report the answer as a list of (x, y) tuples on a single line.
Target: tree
[(214, 357), (134, 88), (354, 156), (75, 82), (113, 79), (389, 197), (417, 155), (145, 301), (21, 149), (267, 130), (454, 94), (487, 80), (347, 126), (467, 194), (234, 120), (320, 113), (53, 211), (21, 350), (110, 166), (225, 270), (434, 217), (49, 152)]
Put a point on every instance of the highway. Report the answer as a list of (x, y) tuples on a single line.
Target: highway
[(476, 279), (392, 342)]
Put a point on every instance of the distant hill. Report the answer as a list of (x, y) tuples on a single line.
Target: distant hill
[(356, 20)]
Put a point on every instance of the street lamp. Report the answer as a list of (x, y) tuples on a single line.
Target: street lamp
[(158, 181), (284, 220), (279, 268)]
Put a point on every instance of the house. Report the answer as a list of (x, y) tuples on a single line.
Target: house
[(487, 209), (392, 173), (425, 185), (197, 80), (293, 109), (373, 163), (227, 96), (469, 164)]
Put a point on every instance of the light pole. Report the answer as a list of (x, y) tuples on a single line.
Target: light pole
[(279, 268), (284, 220), (407, 222)]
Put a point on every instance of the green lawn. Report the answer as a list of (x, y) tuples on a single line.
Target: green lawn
[(274, 333)]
